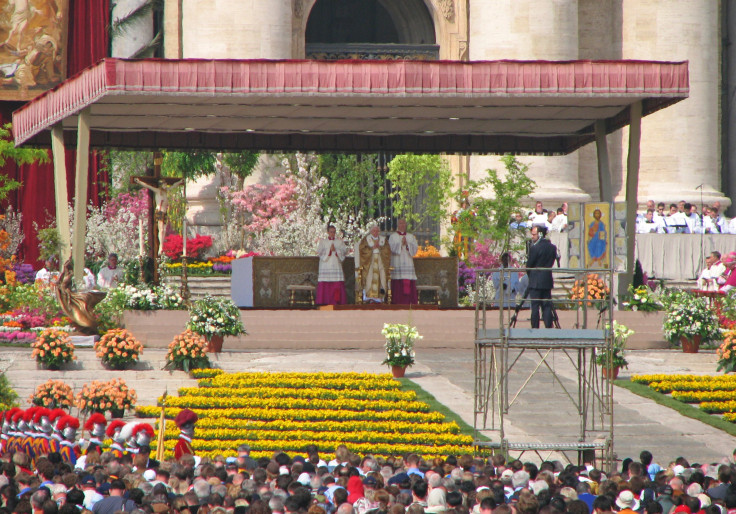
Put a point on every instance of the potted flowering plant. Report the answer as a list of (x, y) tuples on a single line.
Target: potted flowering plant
[(612, 361), (187, 351), (727, 353), (118, 348), (642, 299), (52, 348), (53, 394), (690, 321), (591, 290), (399, 346), (213, 318), (114, 396)]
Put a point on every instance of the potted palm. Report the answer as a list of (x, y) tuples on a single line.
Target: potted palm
[(214, 318), (690, 321), (611, 361), (399, 346)]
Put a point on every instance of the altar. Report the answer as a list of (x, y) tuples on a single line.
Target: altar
[(261, 282)]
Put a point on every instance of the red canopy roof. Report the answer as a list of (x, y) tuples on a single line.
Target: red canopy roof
[(352, 106)]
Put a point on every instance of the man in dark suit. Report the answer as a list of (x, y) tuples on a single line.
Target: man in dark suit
[(542, 254)]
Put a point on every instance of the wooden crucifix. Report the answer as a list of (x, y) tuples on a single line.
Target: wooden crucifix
[(159, 188)]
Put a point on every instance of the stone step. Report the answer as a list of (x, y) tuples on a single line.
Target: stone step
[(202, 286)]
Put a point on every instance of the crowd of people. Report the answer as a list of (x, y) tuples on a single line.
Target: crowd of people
[(110, 480), (683, 218), (109, 277)]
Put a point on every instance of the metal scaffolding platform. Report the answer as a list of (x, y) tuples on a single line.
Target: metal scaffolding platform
[(566, 357)]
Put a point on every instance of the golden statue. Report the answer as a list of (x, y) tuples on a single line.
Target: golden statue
[(78, 306)]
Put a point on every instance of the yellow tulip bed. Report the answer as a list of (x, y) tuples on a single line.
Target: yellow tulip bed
[(288, 411), (715, 395)]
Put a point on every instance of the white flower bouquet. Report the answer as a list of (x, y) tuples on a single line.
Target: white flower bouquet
[(399, 344), (215, 316), (688, 316)]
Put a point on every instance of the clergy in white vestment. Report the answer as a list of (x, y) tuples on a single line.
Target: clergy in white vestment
[(403, 277), (331, 280), (375, 258)]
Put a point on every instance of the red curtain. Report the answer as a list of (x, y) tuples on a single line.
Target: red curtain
[(88, 42)]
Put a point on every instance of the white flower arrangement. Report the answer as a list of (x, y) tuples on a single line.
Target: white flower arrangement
[(211, 316), (687, 316), (399, 344)]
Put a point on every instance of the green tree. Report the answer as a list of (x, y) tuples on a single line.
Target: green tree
[(422, 187), (489, 218), (354, 184), (8, 150)]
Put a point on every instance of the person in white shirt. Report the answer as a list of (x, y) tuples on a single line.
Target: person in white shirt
[(539, 215), (331, 280), (89, 280), (714, 223), (559, 224), (714, 269), (692, 218), (44, 274), (648, 225), (676, 221), (110, 276), (403, 277)]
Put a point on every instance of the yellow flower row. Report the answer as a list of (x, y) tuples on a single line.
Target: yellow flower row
[(646, 379), (703, 396), (283, 392), (297, 414), (332, 426), (718, 407), (230, 452), (700, 385), (730, 416), (236, 402), (294, 445), (301, 380), (223, 434)]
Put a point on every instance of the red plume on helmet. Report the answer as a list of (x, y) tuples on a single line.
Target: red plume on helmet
[(142, 434), (10, 415), (56, 414), (40, 413), (18, 415), (95, 419), (68, 422), (114, 426), (28, 414)]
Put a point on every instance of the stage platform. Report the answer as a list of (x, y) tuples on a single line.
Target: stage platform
[(360, 329)]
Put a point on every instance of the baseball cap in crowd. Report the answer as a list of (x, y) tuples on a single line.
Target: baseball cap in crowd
[(370, 481), (398, 478), (149, 475), (88, 480), (104, 489)]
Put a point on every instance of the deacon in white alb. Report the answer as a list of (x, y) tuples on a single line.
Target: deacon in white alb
[(403, 277), (331, 280)]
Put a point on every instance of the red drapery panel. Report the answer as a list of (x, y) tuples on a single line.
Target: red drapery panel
[(87, 43)]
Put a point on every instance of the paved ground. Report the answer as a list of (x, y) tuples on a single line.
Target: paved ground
[(446, 371)]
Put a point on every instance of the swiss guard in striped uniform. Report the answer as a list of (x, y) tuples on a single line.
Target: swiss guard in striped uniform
[(95, 425), (56, 437), (114, 432), (70, 450), (185, 420)]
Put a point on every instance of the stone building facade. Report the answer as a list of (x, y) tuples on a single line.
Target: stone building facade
[(681, 146)]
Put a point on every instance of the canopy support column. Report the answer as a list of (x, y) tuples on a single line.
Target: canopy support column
[(604, 170), (60, 192), (632, 193), (80, 195)]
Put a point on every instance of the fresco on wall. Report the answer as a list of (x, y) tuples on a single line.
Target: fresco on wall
[(32, 46)]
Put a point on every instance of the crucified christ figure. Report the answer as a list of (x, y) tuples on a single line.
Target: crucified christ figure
[(160, 187)]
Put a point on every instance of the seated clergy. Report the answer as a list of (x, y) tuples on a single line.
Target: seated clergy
[(714, 269), (375, 259), (331, 280)]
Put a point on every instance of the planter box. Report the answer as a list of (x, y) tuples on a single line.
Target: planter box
[(155, 329), (647, 327)]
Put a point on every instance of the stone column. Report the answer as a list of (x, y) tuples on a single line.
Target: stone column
[(246, 29), (680, 145), (533, 30)]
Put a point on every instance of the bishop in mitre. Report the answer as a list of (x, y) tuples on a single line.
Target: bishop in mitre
[(375, 259)]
